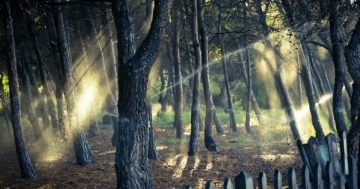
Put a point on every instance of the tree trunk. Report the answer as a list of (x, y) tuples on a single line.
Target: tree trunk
[(226, 77), (195, 106), (47, 94), (26, 168), (131, 157), (50, 26), (26, 99), (352, 55), (83, 152), (322, 89), (209, 140), (339, 72), (178, 122), (309, 89)]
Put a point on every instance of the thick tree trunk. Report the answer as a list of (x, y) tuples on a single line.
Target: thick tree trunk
[(352, 55), (178, 122), (83, 152), (226, 77), (26, 168), (131, 157), (209, 140), (339, 72), (195, 106)]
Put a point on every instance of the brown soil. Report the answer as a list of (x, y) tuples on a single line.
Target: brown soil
[(172, 169)]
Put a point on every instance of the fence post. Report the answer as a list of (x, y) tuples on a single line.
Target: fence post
[(292, 178), (352, 177), (305, 178), (344, 153), (209, 185), (243, 181), (228, 184), (329, 180), (333, 153), (318, 184), (262, 180), (304, 156), (277, 179)]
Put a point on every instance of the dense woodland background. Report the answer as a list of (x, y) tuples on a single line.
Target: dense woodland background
[(228, 64)]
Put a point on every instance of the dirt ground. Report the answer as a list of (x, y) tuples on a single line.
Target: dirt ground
[(56, 168)]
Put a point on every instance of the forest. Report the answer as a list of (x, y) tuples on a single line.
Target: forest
[(162, 93)]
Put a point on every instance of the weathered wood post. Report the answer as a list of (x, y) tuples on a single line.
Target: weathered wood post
[(243, 181), (262, 180)]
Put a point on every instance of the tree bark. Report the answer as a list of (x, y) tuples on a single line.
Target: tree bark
[(47, 94), (309, 89), (195, 106), (83, 152), (131, 157), (26, 168), (26, 98), (226, 77), (352, 55), (209, 140), (50, 26), (339, 72), (178, 122)]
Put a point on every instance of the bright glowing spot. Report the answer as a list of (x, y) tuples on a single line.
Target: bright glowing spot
[(324, 99), (161, 148), (51, 158), (85, 102), (108, 152)]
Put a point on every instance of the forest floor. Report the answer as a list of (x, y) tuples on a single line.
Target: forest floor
[(266, 150)]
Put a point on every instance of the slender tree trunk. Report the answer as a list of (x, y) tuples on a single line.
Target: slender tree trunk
[(26, 168), (26, 98), (47, 94), (209, 140), (321, 87), (308, 84), (195, 107), (178, 122), (226, 77), (252, 95), (50, 26), (83, 152)]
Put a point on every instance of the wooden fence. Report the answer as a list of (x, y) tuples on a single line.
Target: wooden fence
[(323, 168)]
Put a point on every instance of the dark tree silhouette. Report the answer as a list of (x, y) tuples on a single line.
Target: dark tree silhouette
[(26, 168), (178, 123)]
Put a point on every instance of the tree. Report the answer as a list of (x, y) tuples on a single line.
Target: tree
[(27, 171), (210, 143), (178, 123), (131, 162), (195, 106), (82, 149), (232, 124), (353, 62)]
